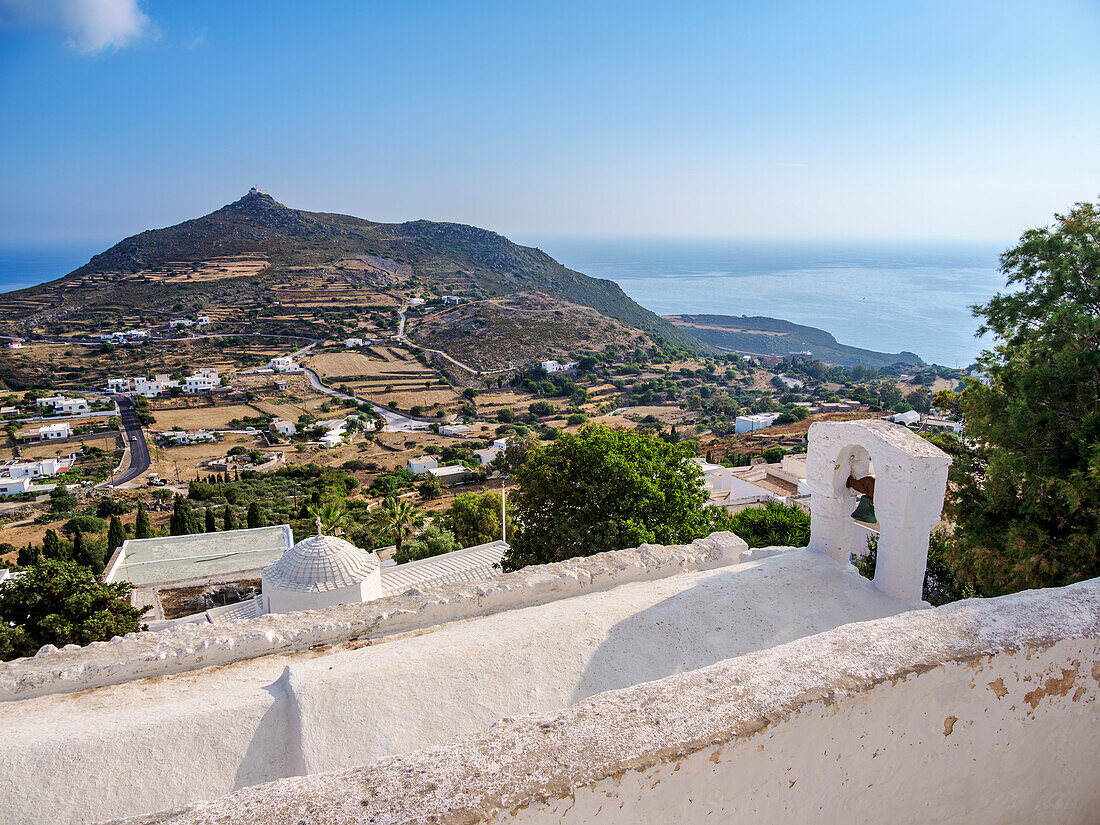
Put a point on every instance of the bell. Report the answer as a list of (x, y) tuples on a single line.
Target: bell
[(865, 511)]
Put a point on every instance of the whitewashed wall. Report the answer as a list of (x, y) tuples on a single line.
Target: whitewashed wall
[(982, 711)]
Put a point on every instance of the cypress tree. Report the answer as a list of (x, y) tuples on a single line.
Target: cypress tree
[(116, 534), (255, 518), (51, 546), (228, 521), (211, 527), (80, 550), (142, 528)]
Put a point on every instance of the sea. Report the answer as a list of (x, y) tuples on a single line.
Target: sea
[(882, 296)]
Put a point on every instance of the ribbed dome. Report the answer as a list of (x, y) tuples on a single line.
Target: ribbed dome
[(318, 564)]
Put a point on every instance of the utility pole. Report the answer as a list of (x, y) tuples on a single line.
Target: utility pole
[(503, 511)]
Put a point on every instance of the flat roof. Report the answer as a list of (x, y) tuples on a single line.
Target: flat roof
[(159, 561)]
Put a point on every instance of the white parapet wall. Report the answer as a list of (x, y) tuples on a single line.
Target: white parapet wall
[(977, 711), (188, 647)]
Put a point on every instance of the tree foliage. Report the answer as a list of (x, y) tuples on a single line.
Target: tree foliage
[(605, 489), (59, 603), (773, 525), (1028, 512), (143, 528), (397, 519), (474, 519), (432, 541)]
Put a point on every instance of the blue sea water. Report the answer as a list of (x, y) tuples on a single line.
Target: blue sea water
[(23, 265), (882, 296)]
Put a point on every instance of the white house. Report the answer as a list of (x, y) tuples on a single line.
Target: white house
[(282, 427), (61, 404), (415, 302), (451, 300), (422, 464), (202, 320), (54, 432), (456, 430), (501, 443), (15, 345), (34, 469), (454, 474), (555, 366), (486, 456), (352, 343), (907, 418), (202, 381), (13, 486), (749, 423), (284, 363)]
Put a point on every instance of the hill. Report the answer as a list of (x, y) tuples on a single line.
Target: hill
[(254, 252), (757, 335)]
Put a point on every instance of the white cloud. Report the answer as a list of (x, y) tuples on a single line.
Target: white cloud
[(89, 26)]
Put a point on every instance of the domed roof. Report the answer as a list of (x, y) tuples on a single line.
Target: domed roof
[(318, 564)]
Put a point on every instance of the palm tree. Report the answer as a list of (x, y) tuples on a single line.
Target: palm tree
[(397, 519), (332, 516)]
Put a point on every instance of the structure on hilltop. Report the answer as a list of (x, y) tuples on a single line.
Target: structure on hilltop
[(702, 682)]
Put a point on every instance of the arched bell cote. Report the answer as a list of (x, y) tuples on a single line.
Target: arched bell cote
[(906, 477)]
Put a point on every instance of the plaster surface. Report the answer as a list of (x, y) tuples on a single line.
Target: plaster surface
[(979, 711), (160, 742)]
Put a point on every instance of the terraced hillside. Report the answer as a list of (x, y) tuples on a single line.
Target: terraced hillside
[(259, 261)]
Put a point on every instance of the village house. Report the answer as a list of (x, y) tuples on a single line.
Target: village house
[(204, 380), (14, 486), (37, 468), (180, 438), (552, 367), (450, 475), (202, 320), (181, 322), (943, 424), (906, 418), (415, 302), (15, 344), (284, 428), (51, 432), (421, 464), (451, 300), (284, 363), (751, 423), (139, 385), (352, 343), (487, 455), (63, 405), (456, 430)]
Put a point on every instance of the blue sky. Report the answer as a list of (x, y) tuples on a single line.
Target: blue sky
[(927, 120)]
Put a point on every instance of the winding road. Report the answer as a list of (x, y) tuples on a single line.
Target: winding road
[(395, 421)]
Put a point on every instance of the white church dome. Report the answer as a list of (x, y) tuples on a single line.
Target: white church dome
[(319, 564)]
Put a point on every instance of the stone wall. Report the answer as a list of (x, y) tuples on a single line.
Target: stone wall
[(977, 711)]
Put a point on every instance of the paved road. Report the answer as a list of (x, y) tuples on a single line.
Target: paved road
[(135, 438), (400, 336)]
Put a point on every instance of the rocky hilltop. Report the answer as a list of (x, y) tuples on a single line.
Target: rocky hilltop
[(256, 243)]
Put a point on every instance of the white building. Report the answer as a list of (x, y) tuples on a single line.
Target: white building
[(62, 404), (751, 423), (36, 469), (943, 424), (415, 302), (181, 322), (456, 430), (793, 383), (486, 456), (287, 428), (451, 300), (204, 380), (352, 343), (159, 385), (15, 344), (284, 363), (422, 464), (14, 486), (450, 475), (54, 432), (908, 417), (554, 366), (202, 320)]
